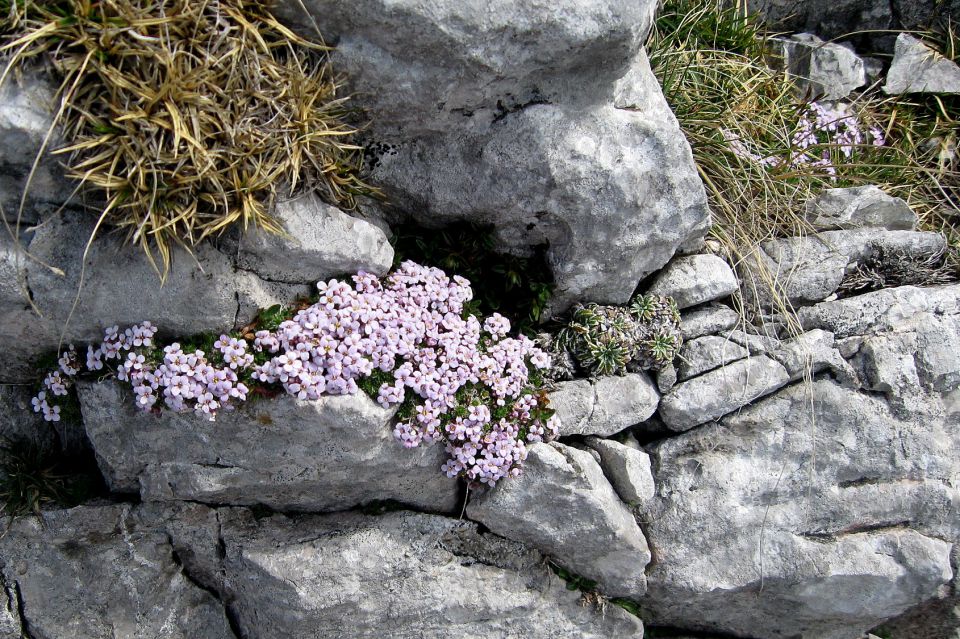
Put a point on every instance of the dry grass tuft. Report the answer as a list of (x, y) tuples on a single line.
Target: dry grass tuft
[(712, 62), (189, 116)]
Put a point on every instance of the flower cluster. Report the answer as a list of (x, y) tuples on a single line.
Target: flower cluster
[(185, 380), (826, 125), (407, 339), (822, 128)]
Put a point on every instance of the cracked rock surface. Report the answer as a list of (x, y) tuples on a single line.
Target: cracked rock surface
[(330, 454), (821, 510)]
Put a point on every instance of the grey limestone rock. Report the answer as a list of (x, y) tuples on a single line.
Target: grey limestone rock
[(714, 394), (823, 69), (26, 114), (627, 468), (708, 321), (916, 68), (321, 241), (812, 352), (604, 406), (859, 207), (330, 454), (602, 542), (401, 574), (581, 175), (707, 353), (901, 309), (810, 269), (815, 513), (201, 292), (94, 573), (695, 279), (542, 120)]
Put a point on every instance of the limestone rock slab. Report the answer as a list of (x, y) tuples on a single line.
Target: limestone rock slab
[(565, 507), (330, 454)]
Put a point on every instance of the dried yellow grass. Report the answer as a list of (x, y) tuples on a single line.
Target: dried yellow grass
[(189, 116)]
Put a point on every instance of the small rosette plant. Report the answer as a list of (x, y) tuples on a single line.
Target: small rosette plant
[(407, 340)]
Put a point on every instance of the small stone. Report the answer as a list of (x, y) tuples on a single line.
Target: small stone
[(708, 321), (714, 394), (707, 353), (565, 507), (604, 406), (860, 207), (916, 68), (666, 378), (814, 351), (825, 69), (695, 279), (627, 469)]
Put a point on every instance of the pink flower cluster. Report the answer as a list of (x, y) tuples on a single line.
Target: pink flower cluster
[(820, 125), (185, 381), (461, 381), (834, 125)]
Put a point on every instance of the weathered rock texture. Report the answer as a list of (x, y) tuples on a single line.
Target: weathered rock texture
[(398, 575), (860, 207), (916, 68), (182, 570), (820, 511), (821, 69), (329, 454), (810, 269), (604, 406), (603, 542), (95, 573), (541, 119), (864, 20)]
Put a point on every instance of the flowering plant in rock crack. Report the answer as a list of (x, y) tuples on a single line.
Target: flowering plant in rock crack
[(824, 130), (406, 340)]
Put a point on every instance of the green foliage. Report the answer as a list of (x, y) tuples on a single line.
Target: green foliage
[(33, 477), (189, 116), (605, 340), (574, 581), (517, 287)]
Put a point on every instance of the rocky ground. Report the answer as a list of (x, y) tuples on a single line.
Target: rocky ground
[(764, 486)]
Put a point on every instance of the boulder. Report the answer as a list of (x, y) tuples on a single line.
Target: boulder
[(815, 513), (544, 121), (695, 279), (724, 390), (287, 454), (320, 241), (860, 207), (708, 321), (604, 406), (825, 69), (459, 65), (916, 68), (94, 572), (627, 468), (576, 179), (707, 353), (401, 574), (565, 507)]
